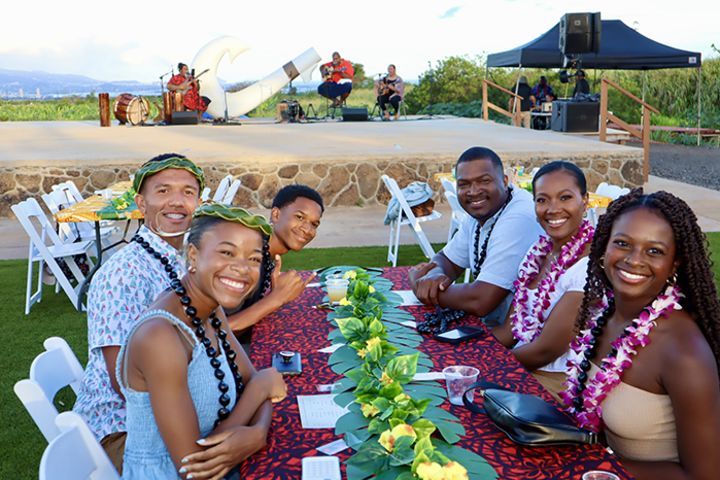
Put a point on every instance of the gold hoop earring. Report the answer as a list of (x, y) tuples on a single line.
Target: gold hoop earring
[(672, 280), (601, 262)]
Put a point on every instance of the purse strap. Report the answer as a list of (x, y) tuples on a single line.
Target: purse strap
[(482, 386)]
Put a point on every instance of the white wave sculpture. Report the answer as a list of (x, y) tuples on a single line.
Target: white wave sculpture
[(241, 102)]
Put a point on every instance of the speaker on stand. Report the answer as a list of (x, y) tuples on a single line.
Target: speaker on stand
[(580, 33)]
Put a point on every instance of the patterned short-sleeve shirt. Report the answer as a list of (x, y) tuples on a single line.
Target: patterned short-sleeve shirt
[(120, 292)]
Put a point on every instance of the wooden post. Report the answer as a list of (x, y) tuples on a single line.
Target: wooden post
[(646, 143), (603, 110), (486, 113), (104, 105)]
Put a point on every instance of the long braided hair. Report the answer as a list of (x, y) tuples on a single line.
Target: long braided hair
[(266, 271), (694, 273)]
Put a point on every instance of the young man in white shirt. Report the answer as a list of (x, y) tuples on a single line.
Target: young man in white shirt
[(491, 242)]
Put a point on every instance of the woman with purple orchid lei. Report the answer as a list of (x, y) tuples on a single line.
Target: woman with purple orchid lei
[(548, 290), (643, 370)]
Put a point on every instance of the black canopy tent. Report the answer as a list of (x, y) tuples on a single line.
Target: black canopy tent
[(621, 48)]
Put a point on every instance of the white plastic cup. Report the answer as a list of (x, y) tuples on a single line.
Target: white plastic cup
[(336, 287), (599, 475), (458, 378)]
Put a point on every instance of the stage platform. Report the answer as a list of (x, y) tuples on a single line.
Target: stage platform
[(343, 160)]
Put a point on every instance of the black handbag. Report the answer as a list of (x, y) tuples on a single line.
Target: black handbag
[(527, 419)]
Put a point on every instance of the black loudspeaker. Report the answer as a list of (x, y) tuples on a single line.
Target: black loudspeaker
[(355, 114), (580, 33), (185, 118), (575, 116)]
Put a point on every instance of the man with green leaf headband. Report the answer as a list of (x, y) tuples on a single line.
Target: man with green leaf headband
[(168, 190)]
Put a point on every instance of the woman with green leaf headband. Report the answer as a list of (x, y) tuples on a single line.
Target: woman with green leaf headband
[(193, 397)]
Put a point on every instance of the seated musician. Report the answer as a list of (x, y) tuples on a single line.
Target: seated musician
[(189, 86), (390, 89), (337, 79)]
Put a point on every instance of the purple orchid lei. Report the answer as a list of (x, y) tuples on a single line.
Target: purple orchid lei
[(624, 348), (528, 317)]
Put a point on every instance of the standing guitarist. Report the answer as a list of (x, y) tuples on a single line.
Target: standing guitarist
[(337, 79), (189, 86)]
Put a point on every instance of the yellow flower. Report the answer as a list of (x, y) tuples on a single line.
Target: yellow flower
[(455, 471), (387, 440), (385, 379), (430, 471), (344, 302), (373, 342), (388, 437), (350, 274), (404, 430), (401, 397), (368, 410), (362, 352), (371, 289)]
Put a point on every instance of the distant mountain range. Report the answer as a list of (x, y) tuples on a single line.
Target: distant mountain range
[(22, 84)]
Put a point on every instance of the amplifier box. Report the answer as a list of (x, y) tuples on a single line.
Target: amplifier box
[(185, 118), (355, 114), (575, 116)]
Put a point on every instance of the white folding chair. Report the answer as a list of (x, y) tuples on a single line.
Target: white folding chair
[(459, 215), (222, 189), (46, 248), (52, 370), (75, 454), (406, 217), (61, 198), (606, 190), (230, 194), (449, 185)]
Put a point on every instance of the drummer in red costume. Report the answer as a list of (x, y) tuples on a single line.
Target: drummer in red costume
[(189, 87), (338, 76)]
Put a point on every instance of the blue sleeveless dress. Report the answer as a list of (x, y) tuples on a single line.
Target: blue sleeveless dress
[(146, 455)]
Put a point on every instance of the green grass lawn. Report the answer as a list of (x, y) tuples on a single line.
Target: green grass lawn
[(21, 443)]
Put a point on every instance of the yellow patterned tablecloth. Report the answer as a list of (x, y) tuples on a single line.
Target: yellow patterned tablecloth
[(87, 210)]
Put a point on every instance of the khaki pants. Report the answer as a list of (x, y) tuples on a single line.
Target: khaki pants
[(552, 381), (525, 119), (114, 446)]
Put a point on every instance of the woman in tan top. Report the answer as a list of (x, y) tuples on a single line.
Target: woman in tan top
[(644, 368)]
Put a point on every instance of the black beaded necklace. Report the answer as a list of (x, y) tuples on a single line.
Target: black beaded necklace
[(224, 399), (591, 353), (480, 259)]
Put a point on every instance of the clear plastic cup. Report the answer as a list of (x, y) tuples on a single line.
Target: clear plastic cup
[(599, 475), (457, 379), (336, 287)]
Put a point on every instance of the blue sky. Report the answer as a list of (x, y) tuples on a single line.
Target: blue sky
[(140, 40)]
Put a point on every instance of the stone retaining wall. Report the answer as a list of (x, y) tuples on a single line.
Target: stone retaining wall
[(352, 183)]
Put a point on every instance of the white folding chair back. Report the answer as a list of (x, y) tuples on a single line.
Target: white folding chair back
[(205, 195), (222, 189), (52, 370), (459, 215), (606, 190), (75, 454), (449, 185), (406, 217), (46, 247), (230, 194)]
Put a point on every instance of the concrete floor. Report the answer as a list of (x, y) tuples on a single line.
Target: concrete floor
[(334, 231), (85, 143)]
